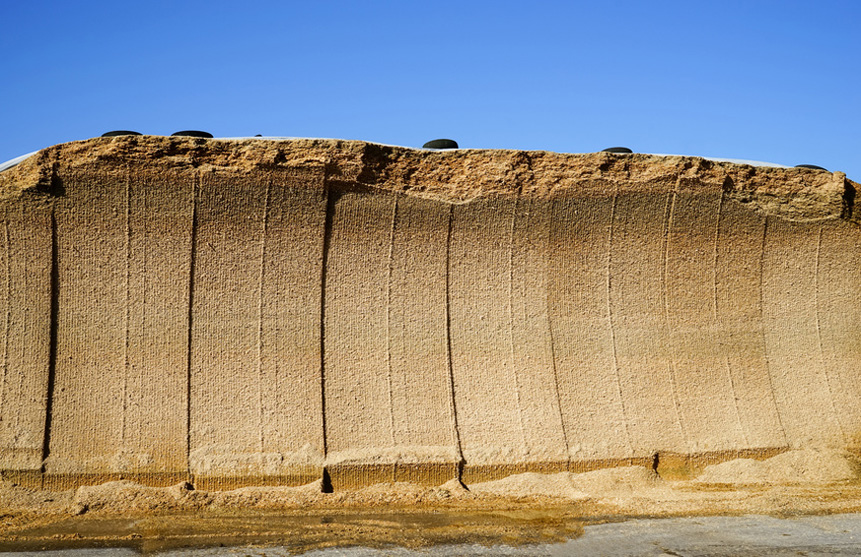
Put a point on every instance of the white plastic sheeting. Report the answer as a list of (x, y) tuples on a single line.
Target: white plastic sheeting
[(17, 160)]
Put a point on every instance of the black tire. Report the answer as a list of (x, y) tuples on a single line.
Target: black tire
[(440, 144), (811, 166), (624, 150), (192, 133), (118, 133)]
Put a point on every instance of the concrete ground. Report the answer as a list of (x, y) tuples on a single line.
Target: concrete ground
[(737, 536)]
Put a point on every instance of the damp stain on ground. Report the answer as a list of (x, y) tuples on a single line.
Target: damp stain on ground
[(301, 531)]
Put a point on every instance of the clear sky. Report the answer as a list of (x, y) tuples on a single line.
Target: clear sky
[(777, 81)]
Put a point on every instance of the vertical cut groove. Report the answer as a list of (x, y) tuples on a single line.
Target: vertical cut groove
[(128, 254), (511, 354), (734, 394), (819, 336), (327, 238), (715, 258), (144, 247), (549, 256), (719, 322), (24, 322), (8, 321), (189, 341), (260, 280), (389, 318), (762, 321), (52, 341), (611, 321), (674, 382), (459, 445)]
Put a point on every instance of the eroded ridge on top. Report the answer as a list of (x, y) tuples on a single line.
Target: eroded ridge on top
[(455, 176)]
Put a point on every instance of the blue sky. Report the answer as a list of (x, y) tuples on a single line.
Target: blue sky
[(763, 80)]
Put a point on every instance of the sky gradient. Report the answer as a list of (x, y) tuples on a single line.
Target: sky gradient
[(762, 80)]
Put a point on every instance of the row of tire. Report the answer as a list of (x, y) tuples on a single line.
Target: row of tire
[(439, 144), (185, 133)]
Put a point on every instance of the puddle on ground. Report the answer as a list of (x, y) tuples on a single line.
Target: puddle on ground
[(301, 531)]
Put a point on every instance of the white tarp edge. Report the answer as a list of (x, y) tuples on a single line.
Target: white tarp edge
[(17, 160)]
